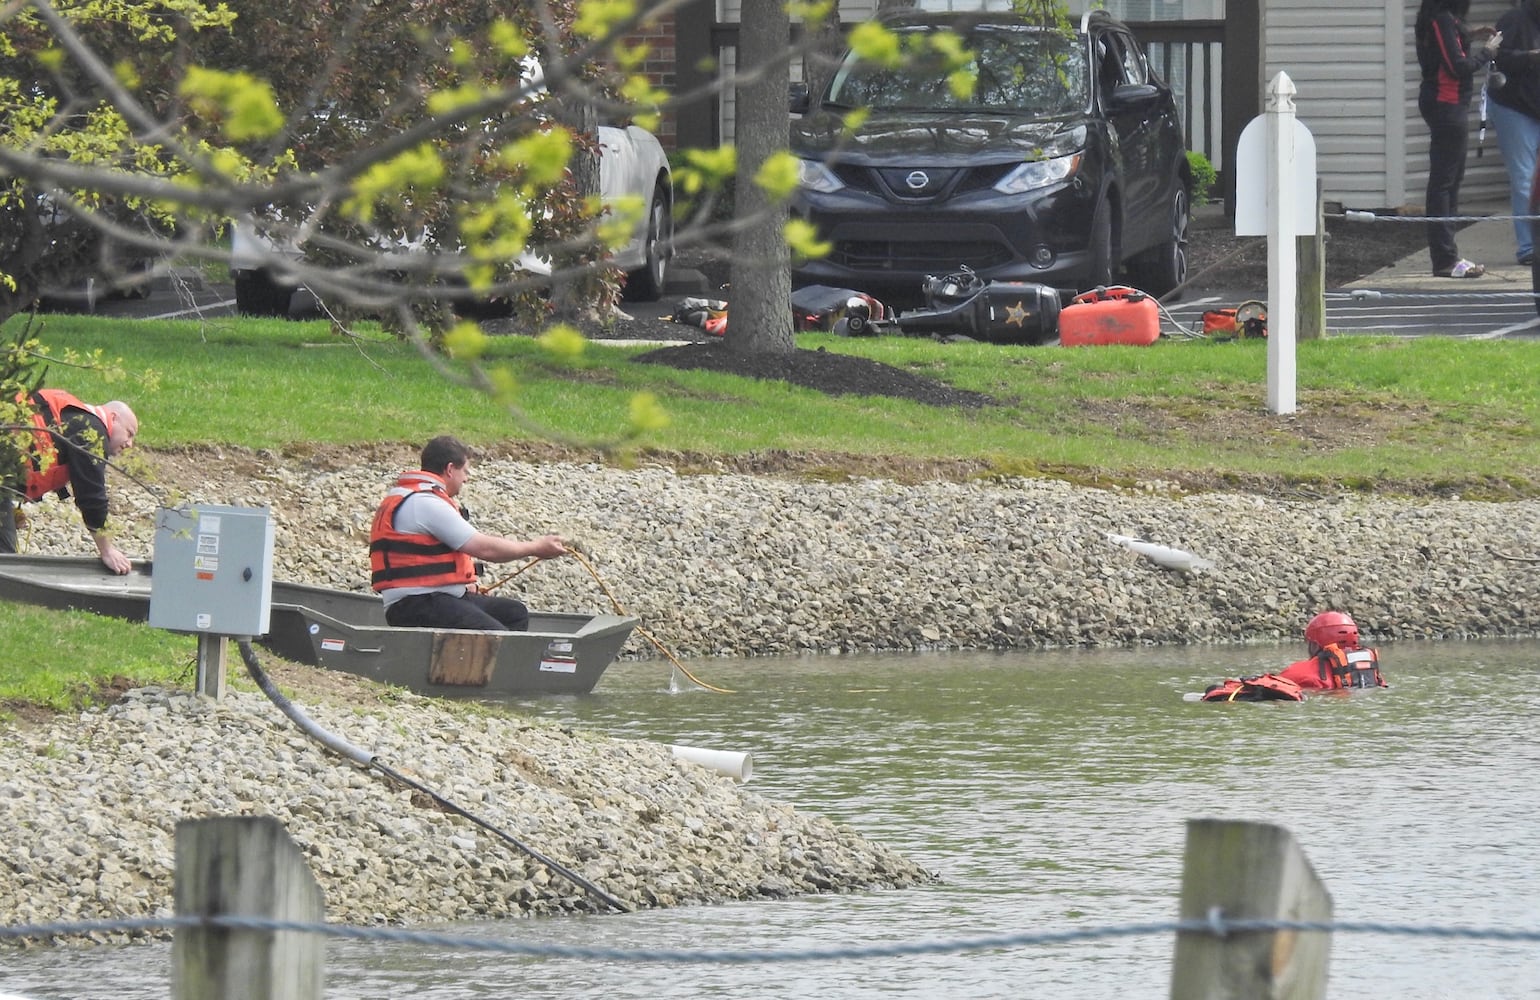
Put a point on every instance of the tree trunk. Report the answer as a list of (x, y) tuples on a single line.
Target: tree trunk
[(570, 270), (759, 314)]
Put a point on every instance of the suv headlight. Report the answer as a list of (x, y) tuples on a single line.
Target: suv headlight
[(1038, 174), (813, 175)]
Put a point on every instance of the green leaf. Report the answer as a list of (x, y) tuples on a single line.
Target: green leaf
[(875, 43), (647, 413), (506, 37), (242, 103), (543, 156), (777, 176), (597, 18), (562, 341), (802, 238), (417, 169), (465, 341)]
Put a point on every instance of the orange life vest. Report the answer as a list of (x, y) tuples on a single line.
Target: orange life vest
[(1264, 687), (45, 473), (401, 559), (1357, 667)]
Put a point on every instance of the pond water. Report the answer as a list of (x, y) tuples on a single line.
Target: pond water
[(1050, 792)]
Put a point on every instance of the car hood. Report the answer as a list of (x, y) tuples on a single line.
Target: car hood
[(916, 138)]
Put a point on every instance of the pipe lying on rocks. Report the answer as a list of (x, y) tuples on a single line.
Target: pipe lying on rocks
[(736, 764)]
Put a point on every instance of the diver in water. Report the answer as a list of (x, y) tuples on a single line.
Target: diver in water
[(1336, 659), (1336, 662)]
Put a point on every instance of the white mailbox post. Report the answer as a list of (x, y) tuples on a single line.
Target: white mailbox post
[(1275, 197)]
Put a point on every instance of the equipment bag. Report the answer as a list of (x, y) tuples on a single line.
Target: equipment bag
[(821, 307)]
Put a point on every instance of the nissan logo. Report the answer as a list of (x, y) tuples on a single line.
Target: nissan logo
[(918, 181)]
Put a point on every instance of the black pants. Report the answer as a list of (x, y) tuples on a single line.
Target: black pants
[(1448, 133), (7, 525), (482, 612)]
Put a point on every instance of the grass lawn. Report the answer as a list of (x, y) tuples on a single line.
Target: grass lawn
[(1411, 411)]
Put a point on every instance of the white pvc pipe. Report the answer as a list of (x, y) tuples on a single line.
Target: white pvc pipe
[(736, 764)]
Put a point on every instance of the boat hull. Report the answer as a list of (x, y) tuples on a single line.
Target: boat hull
[(341, 630)]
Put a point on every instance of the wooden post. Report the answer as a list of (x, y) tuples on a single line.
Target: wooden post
[(1311, 279), (1249, 871), (244, 866), (213, 657)]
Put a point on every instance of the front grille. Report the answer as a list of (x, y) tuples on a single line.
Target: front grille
[(934, 182), (893, 183), (895, 255)]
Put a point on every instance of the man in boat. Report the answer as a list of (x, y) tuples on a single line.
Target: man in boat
[(66, 453), (1336, 662), (423, 550)]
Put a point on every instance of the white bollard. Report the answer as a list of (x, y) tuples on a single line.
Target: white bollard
[(1282, 260), (738, 765)]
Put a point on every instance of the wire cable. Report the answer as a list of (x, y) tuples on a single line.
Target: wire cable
[(368, 760)]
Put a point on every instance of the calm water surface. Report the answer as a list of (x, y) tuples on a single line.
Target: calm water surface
[(1050, 791)]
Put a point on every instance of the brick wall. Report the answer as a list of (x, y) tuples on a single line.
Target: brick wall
[(657, 33)]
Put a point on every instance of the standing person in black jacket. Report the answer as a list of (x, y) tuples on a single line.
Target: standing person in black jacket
[(1449, 63), (1515, 108)]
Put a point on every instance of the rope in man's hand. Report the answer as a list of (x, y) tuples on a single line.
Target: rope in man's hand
[(509, 576), (576, 553)]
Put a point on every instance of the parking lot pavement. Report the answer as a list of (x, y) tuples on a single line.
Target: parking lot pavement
[(1406, 299), (181, 295)]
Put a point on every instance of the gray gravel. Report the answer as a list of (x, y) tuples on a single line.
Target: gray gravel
[(714, 565), (738, 565)]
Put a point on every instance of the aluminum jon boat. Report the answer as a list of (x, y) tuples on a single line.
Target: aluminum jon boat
[(345, 631)]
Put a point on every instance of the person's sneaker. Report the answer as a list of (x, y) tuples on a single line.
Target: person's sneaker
[(1462, 269), (1526, 258)]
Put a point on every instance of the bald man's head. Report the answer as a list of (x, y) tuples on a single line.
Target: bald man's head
[(123, 427)]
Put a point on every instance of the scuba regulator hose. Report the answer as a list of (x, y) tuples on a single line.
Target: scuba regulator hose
[(365, 759)]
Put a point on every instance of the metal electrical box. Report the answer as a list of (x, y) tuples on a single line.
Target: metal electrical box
[(213, 570)]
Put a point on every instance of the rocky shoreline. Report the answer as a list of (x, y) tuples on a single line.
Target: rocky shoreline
[(754, 565), (727, 564), (89, 806)]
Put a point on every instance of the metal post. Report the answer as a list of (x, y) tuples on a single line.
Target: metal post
[(213, 655)]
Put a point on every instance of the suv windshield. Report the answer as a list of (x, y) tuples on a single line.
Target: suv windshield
[(1017, 69)]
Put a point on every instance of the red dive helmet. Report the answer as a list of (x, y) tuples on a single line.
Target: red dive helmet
[(1331, 627)]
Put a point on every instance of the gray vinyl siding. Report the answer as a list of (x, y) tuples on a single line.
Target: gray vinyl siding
[(1355, 72)]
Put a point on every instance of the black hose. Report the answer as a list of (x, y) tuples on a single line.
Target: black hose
[(366, 759)]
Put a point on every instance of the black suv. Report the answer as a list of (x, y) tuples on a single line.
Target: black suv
[(1065, 165)]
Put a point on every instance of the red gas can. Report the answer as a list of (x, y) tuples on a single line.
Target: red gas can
[(1110, 315)]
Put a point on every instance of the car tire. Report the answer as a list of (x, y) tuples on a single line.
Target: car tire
[(1099, 251), (1164, 267), (257, 294), (648, 282)]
